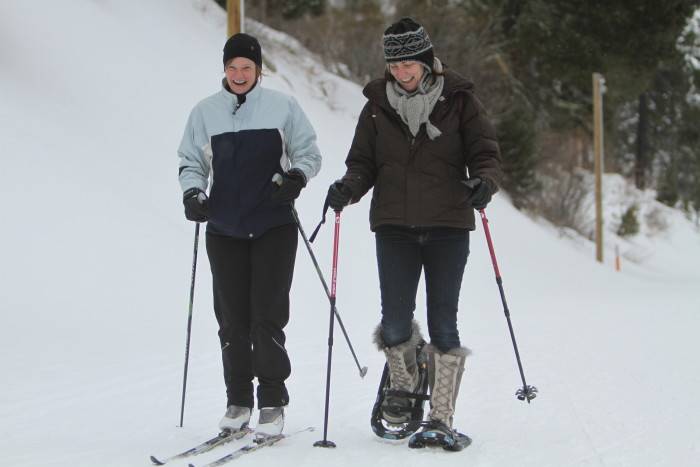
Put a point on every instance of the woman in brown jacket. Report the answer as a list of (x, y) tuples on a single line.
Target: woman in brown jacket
[(420, 137)]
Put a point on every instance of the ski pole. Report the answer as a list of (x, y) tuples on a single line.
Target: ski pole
[(325, 443), (277, 178), (362, 369), (526, 392), (189, 322)]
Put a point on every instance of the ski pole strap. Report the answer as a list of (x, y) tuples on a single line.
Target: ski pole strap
[(323, 221)]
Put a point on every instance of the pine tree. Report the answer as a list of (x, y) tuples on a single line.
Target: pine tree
[(273, 12), (296, 8), (667, 186), (516, 137), (629, 224), (561, 42)]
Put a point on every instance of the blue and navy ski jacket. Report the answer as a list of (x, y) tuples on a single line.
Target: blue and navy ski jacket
[(237, 149)]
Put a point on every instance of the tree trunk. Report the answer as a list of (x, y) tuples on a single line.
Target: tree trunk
[(641, 161), (263, 11), (511, 14)]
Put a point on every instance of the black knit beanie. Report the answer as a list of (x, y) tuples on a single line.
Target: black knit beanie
[(407, 40), (243, 45)]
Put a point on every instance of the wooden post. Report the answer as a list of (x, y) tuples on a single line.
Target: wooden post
[(242, 21), (598, 83), (235, 18)]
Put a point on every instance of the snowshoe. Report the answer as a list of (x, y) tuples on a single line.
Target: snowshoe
[(436, 434), (384, 417)]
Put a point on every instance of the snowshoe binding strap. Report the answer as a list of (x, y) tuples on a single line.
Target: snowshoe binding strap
[(407, 394), (437, 434)]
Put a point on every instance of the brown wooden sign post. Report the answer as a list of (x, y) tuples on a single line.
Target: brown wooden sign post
[(598, 89), (234, 10)]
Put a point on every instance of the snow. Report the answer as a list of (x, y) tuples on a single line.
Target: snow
[(96, 261)]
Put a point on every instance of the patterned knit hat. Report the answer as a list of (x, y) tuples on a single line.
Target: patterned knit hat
[(407, 40)]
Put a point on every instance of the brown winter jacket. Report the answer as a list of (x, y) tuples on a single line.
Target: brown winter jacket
[(417, 182)]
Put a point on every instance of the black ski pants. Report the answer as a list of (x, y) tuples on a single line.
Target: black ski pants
[(252, 279)]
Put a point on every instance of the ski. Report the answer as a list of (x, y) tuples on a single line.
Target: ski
[(220, 439), (259, 443)]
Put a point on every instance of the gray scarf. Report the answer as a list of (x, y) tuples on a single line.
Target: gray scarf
[(415, 108)]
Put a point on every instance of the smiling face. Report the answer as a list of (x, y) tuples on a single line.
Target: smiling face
[(408, 74), (241, 74)]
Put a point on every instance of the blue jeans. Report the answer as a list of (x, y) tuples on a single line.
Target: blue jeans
[(402, 253)]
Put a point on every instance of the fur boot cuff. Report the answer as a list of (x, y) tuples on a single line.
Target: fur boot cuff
[(457, 351), (412, 341)]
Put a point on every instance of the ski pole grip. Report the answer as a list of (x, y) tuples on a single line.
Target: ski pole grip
[(472, 183)]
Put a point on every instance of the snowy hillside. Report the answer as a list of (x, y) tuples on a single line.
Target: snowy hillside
[(96, 257)]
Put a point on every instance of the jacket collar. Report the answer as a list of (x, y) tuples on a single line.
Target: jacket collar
[(250, 96)]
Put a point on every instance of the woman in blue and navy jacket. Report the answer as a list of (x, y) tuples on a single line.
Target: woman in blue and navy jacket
[(235, 142)]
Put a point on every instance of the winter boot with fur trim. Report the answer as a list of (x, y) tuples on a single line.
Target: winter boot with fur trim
[(445, 374), (398, 410)]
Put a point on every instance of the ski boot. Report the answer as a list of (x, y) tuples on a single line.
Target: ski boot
[(270, 422), (235, 419)]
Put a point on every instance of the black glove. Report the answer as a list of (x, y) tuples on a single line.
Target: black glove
[(482, 191), (196, 205), (289, 188), (339, 196)]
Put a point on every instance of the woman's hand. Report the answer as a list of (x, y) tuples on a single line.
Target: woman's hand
[(289, 188), (339, 196)]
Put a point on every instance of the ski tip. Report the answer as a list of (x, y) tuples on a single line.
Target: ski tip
[(156, 461)]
